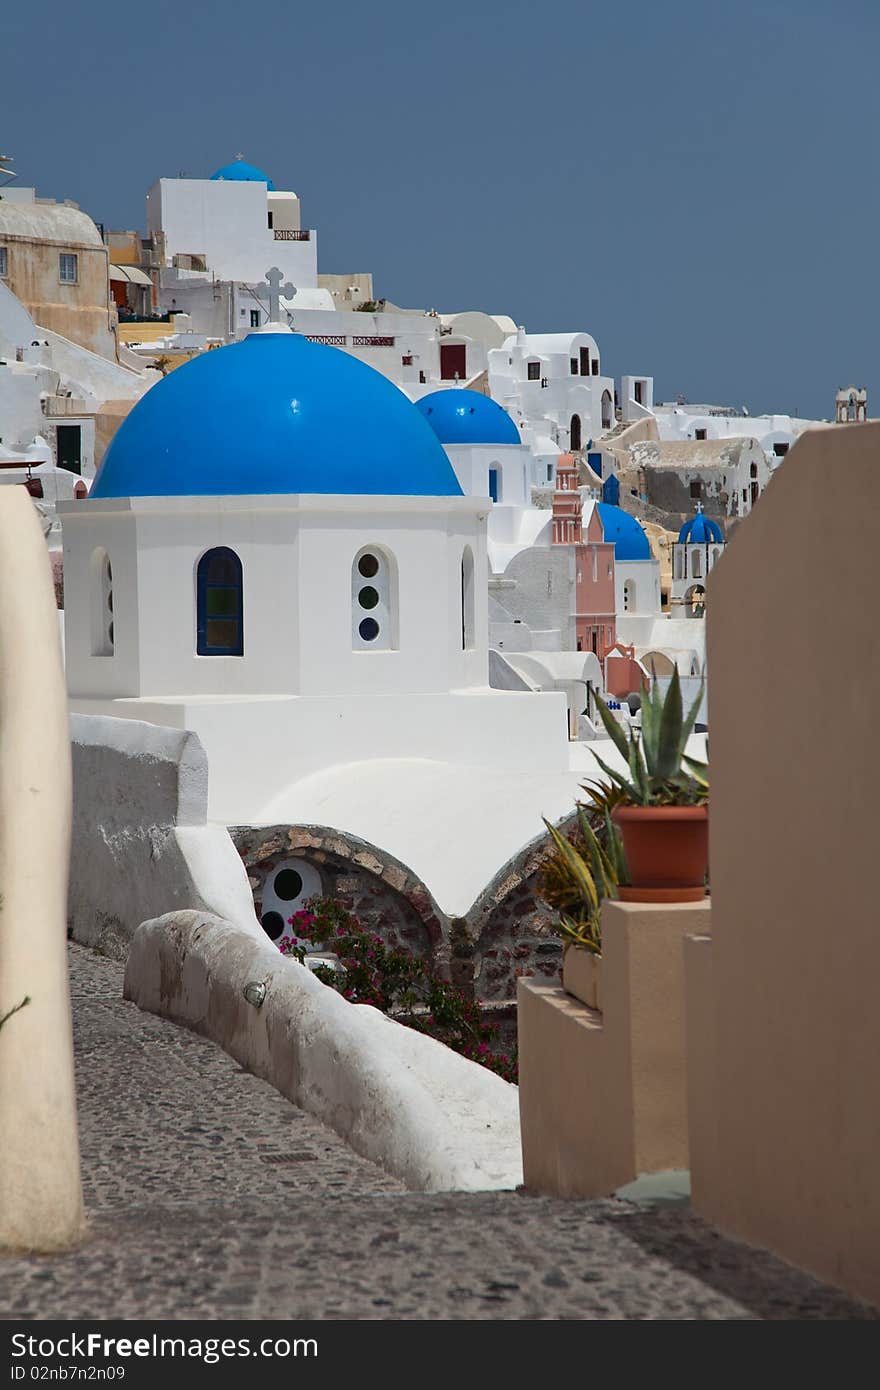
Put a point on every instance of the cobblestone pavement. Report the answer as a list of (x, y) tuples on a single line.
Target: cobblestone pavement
[(209, 1195)]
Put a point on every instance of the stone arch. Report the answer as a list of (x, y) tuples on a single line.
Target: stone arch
[(381, 891)]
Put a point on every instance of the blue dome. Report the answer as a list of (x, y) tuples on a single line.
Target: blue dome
[(700, 530), (458, 416), (239, 171), (274, 413), (630, 541)]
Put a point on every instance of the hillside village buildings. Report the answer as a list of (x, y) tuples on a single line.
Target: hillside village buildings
[(367, 670), (64, 381), (589, 482), (585, 518)]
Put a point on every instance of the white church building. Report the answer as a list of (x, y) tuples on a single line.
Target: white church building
[(277, 554)]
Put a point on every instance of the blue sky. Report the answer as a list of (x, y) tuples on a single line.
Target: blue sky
[(694, 184)]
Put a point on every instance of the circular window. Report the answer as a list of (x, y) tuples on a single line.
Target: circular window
[(273, 924), (288, 885), (368, 597), (368, 565), (369, 629)]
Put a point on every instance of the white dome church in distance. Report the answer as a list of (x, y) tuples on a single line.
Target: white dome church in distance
[(277, 554)]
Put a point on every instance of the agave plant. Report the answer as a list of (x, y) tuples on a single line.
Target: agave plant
[(660, 772), (576, 883)]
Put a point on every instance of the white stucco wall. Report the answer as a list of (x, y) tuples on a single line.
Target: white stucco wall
[(644, 578), (297, 555), (141, 843), (227, 222), (398, 1097), (546, 404), (513, 465), (21, 416)]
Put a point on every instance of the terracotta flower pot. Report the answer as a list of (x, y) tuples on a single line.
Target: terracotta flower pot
[(667, 852)]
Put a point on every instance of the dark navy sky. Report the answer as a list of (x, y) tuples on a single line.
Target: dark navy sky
[(693, 183)]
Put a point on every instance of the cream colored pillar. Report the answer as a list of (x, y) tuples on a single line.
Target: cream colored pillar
[(41, 1204), (602, 1092)]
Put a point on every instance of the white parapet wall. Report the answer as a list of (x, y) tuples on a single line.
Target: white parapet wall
[(400, 1098), (141, 842)]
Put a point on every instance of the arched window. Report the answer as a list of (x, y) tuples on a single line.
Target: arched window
[(468, 603), (607, 411), (101, 579), (373, 601), (696, 565), (695, 602), (574, 433), (219, 604), (715, 553), (629, 596)]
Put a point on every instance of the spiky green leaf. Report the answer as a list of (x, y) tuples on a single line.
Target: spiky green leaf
[(639, 774), (613, 729), (615, 850), (698, 770), (577, 866), (603, 868), (650, 727), (629, 791), (669, 742)]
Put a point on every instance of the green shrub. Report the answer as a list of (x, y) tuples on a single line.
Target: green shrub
[(396, 982)]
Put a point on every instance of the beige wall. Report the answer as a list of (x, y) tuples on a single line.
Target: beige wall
[(80, 312), (359, 283), (107, 422), (784, 1036), (602, 1095)]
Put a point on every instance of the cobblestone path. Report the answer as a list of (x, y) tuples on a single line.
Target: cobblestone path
[(209, 1195)]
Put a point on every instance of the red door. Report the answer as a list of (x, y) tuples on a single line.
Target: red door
[(453, 361)]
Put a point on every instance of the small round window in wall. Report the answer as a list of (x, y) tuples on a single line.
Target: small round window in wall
[(287, 887), (368, 565), (372, 604), (273, 925)]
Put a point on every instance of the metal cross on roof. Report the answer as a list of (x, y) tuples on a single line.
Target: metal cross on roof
[(277, 292)]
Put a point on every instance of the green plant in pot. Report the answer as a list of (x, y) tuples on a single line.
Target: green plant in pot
[(583, 870), (579, 876), (663, 807)]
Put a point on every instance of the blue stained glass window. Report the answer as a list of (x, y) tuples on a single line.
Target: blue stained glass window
[(220, 616)]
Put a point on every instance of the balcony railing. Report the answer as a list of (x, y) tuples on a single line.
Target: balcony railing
[(341, 340), (293, 236)]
